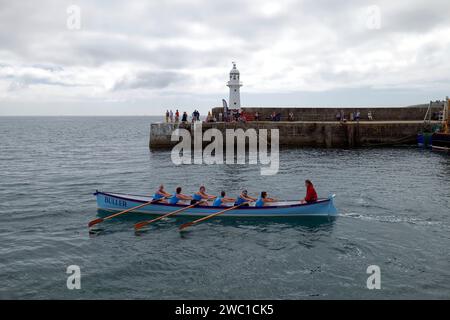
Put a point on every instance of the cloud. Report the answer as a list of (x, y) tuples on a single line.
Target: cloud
[(152, 50), (23, 76), (148, 80)]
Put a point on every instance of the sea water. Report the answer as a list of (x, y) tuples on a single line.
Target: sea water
[(394, 206)]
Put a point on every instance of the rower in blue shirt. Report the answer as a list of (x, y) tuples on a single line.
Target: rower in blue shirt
[(242, 198), (160, 194), (177, 196), (262, 200), (202, 195), (222, 200)]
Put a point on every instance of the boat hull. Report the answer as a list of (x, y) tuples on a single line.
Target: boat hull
[(441, 142), (116, 202)]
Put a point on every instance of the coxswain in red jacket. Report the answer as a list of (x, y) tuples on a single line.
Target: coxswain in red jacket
[(311, 194)]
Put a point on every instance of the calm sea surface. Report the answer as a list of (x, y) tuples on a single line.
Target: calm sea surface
[(394, 209)]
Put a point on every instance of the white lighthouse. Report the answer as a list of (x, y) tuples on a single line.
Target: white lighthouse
[(234, 84)]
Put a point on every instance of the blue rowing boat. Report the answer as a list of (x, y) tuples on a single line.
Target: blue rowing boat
[(115, 202)]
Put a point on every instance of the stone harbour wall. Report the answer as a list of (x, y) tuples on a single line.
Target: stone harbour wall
[(325, 134)]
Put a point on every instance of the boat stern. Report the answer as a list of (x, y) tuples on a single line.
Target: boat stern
[(332, 211)]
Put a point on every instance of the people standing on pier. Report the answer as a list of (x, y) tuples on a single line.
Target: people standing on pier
[(167, 116), (343, 115), (202, 195), (195, 115), (291, 116), (244, 197), (177, 116), (358, 115), (256, 116), (272, 116), (263, 199), (209, 117), (184, 117), (171, 115), (226, 115), (177, 196), (160, 194), (222, 200), (311, 194)]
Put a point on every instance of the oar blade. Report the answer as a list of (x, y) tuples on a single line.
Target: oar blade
[(139, 225), (94, 222), (185, 225)]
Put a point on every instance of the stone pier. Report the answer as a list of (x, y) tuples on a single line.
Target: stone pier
[(317, 127), (326, 134)]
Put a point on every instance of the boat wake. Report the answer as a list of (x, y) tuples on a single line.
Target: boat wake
[(395, 219)]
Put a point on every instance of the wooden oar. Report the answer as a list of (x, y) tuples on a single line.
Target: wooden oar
[(94, 222), (141, 224), (188, 224)]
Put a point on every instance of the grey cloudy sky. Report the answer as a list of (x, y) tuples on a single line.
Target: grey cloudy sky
[(142, 57)]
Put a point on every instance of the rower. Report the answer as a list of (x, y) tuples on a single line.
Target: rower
[(222, 199), (177, 196), (243, 197), (263, 199), (311, 194), (160, 194), (201, 195)]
